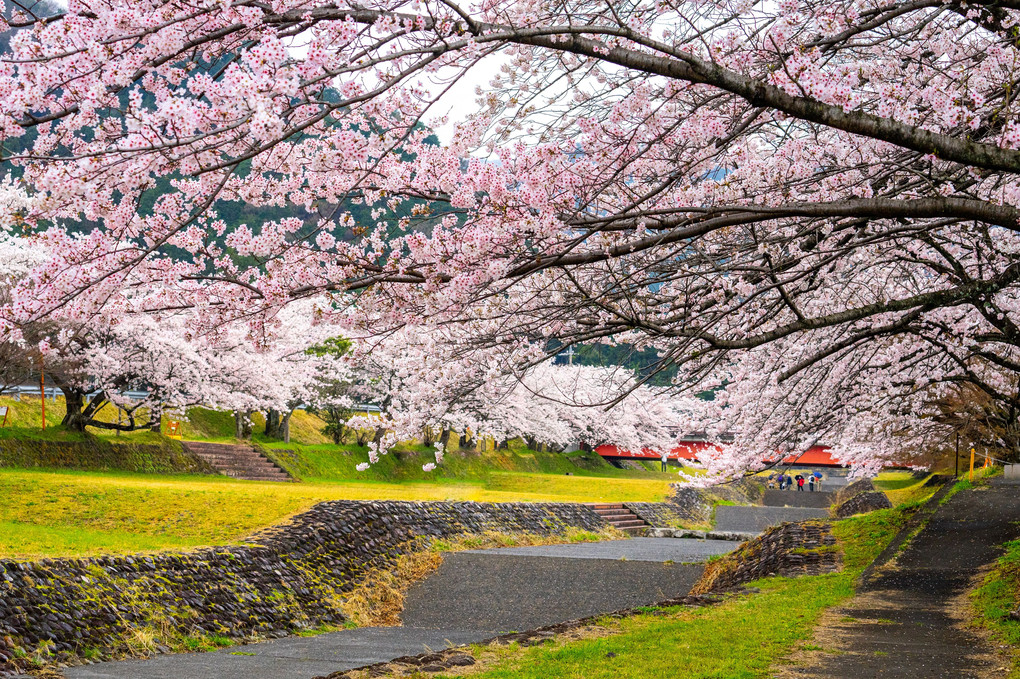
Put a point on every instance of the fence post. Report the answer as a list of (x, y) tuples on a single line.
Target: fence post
[(970, 477)]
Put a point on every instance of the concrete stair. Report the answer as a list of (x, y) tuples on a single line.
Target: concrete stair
[(620, 517), (238, 461)]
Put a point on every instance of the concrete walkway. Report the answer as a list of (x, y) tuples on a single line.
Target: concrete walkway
[(909, 622), (753, 519), (473, 596)]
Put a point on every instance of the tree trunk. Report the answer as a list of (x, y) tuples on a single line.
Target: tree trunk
[(74, 401), (467, 442), (273, 423), (428, 437), (444, 438), (242, 424), (156, 417), (285, 426), (504, 444)]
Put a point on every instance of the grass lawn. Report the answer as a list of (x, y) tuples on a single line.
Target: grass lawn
[(62, 513), (48, 512)]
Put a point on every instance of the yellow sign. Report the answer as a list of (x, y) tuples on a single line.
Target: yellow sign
[(173, 429)]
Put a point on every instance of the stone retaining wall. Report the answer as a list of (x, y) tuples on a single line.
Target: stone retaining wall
[(96, 454), (694, 505), (861, 503), (802, 548), (291, 577), (855, 488), (657, 514), (857, 498)]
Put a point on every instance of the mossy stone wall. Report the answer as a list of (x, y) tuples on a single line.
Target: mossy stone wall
[(95, 454), (289, 578)]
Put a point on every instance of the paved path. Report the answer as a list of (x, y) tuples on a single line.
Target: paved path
[(473, 596), (635, 549), (743, 519), (798, 498), (908, 622)]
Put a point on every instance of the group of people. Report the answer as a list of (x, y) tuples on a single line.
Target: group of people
[(813, 481)]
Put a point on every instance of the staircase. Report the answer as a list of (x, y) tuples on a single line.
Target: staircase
[(620, 517), (238, 461)]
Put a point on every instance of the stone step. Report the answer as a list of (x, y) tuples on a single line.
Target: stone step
[(602, 505), (634, 530), (609, 513), (238, 461), (634, 523)]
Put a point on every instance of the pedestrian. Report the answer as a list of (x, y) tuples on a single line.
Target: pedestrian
[(818, 481), (783, 480), (800, 482), (665, 458), (811, 483), (772, 480)]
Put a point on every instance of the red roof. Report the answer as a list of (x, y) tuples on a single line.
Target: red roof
[(689, 450)]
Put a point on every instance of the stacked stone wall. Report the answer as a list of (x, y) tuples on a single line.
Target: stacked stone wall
[(694, 505), (857, 498), (861, 503), (792, 549), (657, 514), (289, 578), (852, 489), (96, 454)]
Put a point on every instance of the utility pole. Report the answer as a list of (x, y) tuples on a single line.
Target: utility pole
[(42, 394), (957, 474)]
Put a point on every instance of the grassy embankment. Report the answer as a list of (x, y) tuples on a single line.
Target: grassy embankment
[(49, 512), (738, 639), (996, 597), (903, 489)]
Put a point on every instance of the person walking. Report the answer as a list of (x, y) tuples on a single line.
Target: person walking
[(665, 459), (800, 482), (811, 483), (818, 481)]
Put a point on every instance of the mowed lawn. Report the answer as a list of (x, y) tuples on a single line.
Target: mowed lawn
[(58, 513)]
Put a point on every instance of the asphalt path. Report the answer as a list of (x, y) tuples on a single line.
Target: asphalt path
[(677, 550), (756, 519), (473, 596), (911, 620)]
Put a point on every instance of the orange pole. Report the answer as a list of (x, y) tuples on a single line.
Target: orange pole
[(42, 396), (971, 476)]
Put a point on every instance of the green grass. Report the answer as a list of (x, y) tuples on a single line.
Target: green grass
[(50, 512), (738, 639), (996, 597), (63, 513)]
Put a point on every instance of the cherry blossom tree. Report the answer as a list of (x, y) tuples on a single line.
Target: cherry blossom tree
[(417, 379), (807, 206)]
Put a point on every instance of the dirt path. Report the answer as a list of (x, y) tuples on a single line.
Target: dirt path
[(909, 620)]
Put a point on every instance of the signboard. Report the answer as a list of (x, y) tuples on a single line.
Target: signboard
[(3, 411), (173, 429)]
